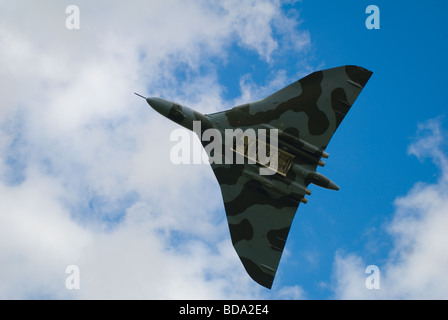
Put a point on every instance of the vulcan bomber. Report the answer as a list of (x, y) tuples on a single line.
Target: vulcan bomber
[(290, 131)]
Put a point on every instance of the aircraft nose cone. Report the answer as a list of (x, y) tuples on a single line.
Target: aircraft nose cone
[(160, 105), (154, 102)]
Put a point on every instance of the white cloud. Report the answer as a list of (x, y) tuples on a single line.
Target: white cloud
[(291, 293), (250, 91), (38, 239), (85, 176), (417, 264)]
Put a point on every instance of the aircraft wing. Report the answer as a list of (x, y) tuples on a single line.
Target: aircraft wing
[(259, 221), (309, 110)]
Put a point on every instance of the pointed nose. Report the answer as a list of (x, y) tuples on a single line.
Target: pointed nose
[(160, 105)]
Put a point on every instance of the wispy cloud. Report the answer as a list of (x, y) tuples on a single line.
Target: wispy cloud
[(85, 176), (416, 265)]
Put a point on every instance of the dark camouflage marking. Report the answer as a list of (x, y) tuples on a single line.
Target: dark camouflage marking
[(241, 231), (260, 209)]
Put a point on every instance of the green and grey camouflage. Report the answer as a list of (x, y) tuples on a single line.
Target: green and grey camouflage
[(260, 208)]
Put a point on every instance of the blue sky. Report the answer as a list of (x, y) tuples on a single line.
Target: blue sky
[(85, 177), (368, 155)]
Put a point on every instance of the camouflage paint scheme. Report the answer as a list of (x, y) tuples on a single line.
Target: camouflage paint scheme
[(260, 209)]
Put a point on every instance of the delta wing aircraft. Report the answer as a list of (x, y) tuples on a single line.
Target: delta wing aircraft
[(300, 120)]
